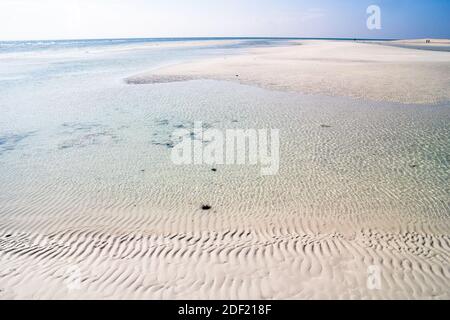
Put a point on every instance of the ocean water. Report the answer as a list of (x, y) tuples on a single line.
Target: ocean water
[(46, 69), (73, 132)]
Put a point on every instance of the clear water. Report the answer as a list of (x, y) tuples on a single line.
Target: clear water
[(75, 138)]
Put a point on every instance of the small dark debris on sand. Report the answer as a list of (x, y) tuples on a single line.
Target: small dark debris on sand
[(325, 126), (163, 122), (169, 145), (413, 165), (206, 207), (8, 235), (213, 169)]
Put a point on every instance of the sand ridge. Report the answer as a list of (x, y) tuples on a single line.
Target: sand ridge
[(337, 68)]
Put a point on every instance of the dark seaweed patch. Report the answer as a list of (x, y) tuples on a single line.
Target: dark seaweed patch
[(9, 142), (85, 134)]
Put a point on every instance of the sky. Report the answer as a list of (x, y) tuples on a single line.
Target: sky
[(94, 19)]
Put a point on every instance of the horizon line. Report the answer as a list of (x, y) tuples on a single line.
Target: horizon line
[(216, 38)]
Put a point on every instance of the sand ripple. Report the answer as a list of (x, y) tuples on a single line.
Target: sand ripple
[(362, 186)]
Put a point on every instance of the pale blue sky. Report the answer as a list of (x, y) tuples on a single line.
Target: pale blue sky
[(75, 19)]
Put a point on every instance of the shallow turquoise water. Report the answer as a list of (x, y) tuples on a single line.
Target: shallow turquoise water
[(74, 136)]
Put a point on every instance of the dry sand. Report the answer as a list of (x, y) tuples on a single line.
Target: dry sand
[(431, 42), (341, 68)]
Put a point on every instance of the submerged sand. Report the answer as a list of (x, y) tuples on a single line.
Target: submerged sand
[(359, 209), (338, 68)]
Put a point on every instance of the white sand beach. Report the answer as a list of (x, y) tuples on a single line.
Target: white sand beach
[(338, 68), (92, 207)]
